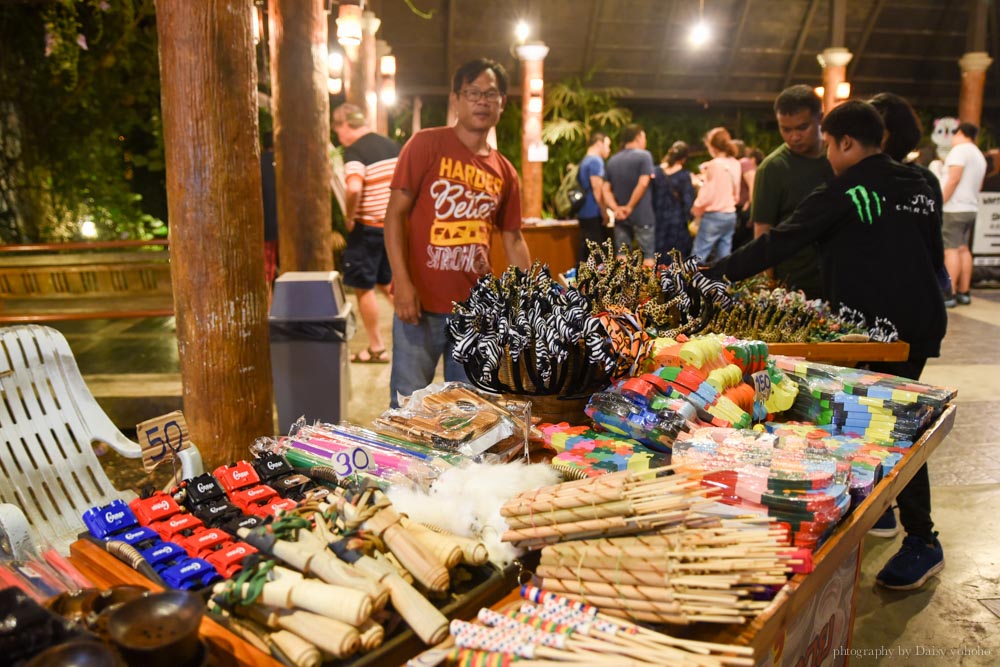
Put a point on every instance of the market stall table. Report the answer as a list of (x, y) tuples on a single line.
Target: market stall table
[(104, 570), (814, 613), (843, 354)]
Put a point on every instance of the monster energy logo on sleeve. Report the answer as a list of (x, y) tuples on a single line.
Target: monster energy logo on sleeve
[(863, 201)]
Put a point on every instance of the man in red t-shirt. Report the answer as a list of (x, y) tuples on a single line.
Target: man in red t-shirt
[(449, 190)]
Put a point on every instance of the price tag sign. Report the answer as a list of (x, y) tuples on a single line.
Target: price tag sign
[(346, 464), (161, 438), (762, 386)]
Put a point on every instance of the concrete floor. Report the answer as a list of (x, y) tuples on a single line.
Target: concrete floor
[(131, 365)]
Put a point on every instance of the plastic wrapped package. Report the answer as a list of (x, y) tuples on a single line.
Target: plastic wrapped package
[(808, 490), (455, 418), (355, 453), (877, 405)]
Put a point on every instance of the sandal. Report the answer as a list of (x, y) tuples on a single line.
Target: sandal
[(374, 357)]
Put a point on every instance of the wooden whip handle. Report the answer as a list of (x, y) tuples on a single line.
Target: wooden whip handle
[(292, 554), (372, 635), (447, 553), (340, 603), (414, 557), (474, 552), (424, 618), (336, 638), (427, 622), (298, 650), (327, 567)]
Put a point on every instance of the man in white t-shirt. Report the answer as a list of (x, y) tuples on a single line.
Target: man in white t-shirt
[(965, 168)]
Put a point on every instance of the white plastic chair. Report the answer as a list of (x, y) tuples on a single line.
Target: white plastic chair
[(49, 473)]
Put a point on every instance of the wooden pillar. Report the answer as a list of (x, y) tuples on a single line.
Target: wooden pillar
[(834, 59), (974, 64), (532, 56), (208, 84), (834, 63), (368, 57), (417, 123), (970, 100), (386, 82), (301, 104)]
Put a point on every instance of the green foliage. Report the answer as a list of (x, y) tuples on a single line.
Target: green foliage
[(80, 137), (573, 112)]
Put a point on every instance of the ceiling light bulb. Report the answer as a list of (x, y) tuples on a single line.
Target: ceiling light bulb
[(335, 63), (522, 31), (700, 34)]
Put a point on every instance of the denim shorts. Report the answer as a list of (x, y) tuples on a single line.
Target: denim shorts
[(645, 236), (416, 349)]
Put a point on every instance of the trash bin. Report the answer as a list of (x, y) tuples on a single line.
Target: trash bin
[(310, 324)]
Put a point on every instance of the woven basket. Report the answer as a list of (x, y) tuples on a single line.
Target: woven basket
[(554, 409)]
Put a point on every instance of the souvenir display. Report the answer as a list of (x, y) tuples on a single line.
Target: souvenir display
[(880, 407), (787, 316), (585, 452)]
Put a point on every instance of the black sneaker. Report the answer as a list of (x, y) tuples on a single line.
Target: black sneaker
[(915, 563), (963, 298), (886, 526)]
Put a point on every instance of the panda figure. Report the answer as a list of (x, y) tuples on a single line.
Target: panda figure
[(944, 129)]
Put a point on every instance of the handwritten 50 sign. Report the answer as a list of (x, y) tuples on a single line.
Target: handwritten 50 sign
[(162, 438)]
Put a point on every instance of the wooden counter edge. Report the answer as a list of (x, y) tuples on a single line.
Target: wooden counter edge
[(762, 631), (843, 352), (104, 570)]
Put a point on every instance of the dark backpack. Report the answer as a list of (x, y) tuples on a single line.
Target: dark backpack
[(570, 195)]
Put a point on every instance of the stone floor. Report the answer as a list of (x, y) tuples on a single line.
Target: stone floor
[(131, 365)]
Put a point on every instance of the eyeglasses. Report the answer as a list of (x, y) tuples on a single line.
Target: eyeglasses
[(474, 95)]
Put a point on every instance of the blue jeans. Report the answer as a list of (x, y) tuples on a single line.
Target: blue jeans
[(416, 349), (644, 235), (715, 236)]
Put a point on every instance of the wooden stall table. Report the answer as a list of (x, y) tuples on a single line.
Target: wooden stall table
[(225, 648), (843, 354), (814, 613), (554, 242)]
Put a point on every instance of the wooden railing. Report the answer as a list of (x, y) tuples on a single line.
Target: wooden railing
[(89, 280)]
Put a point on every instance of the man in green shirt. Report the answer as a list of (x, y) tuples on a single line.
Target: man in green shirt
[(787, 175)]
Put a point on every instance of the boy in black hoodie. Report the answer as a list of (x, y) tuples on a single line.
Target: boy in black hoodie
[(878, 231)]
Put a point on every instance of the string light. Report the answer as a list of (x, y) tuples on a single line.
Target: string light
[(700, 32), (522, 31)]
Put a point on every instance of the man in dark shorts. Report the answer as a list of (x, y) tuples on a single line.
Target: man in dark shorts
[(369, 162), (787, 175), (626, 192)]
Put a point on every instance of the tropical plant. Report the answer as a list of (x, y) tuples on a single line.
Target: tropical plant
[(573, 112), (79, 120)]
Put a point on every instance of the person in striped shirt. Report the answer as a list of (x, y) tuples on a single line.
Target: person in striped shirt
[(369, 162)]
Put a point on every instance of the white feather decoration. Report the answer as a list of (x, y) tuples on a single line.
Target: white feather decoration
[(466, 501)]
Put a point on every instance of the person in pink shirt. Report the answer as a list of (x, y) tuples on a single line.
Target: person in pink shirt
[(716, 201)]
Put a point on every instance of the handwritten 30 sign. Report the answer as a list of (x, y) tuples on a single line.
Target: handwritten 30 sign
[(347, 463), (162, 438)]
